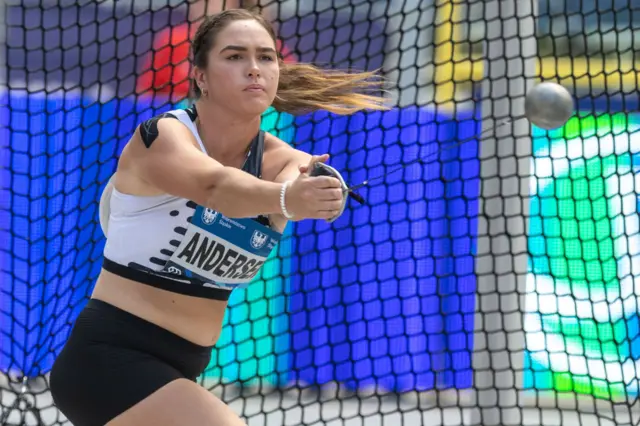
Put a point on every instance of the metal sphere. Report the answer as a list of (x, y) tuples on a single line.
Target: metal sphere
[(549, 105)]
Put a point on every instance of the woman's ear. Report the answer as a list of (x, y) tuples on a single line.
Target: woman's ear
[(200, 78)]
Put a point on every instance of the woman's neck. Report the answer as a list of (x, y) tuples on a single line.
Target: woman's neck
[(225, 136)]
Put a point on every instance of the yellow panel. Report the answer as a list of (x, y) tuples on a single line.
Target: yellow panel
[(455, 72)]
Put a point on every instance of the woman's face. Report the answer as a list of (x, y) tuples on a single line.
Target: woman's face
[(242, 73)]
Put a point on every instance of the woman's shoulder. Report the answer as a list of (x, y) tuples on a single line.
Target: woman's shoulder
[(148, 130), (280, 153), (275, 145)]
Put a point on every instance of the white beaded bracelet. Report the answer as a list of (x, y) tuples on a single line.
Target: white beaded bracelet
[(283, 206)]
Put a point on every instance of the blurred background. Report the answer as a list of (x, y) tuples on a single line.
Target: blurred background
[(376, 309)]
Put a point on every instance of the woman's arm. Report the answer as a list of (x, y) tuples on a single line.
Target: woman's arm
[(173, 164)]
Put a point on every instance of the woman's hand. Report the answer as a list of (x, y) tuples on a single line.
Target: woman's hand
[(314, 197)]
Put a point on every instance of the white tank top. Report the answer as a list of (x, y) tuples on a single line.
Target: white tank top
[(143, 232)]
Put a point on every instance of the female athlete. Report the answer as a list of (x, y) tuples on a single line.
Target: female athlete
[(199, 200)]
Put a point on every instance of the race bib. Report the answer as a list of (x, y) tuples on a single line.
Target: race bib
[(220, 251)]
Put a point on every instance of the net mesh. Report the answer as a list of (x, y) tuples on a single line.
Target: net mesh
[(405, 307)]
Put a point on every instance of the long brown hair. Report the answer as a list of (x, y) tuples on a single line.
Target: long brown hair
[(303, 88)]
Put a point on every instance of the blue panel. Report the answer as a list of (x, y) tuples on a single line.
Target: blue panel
[(385, 295), (57, 155)]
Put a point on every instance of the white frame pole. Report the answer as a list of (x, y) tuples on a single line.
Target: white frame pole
[(510, 66)]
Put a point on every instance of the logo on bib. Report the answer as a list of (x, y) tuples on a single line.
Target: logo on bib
[(258, 239), (174, 270), (209, 216)]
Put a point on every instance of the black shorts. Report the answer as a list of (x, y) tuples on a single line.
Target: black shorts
[(114, 360)]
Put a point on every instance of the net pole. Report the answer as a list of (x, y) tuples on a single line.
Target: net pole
[(4, 80), (510, 52)]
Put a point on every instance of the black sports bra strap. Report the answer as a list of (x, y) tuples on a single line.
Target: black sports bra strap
[(259, 151), (192, 112), (253, 164)]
